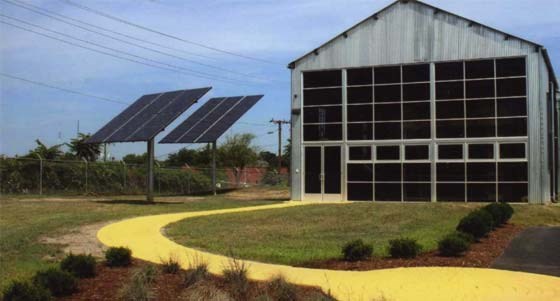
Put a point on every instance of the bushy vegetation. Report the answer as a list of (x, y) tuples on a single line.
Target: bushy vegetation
[(118, 256), (404, 248), (25, 291), (171, 265), (235, 275), (138, 287), (454, 244), (198, 271), (356, 250), (58, 282), (477, 223), (81, 265), (282, 290)]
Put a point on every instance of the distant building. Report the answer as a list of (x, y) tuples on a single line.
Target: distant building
[(417, 104)]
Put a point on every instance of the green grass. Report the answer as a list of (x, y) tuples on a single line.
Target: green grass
[(23, 222), (300, 234)]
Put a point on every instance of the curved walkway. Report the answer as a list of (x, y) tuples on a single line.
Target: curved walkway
[(143, 236)]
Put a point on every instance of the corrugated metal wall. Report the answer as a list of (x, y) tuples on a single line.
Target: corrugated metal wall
[(413, 32)]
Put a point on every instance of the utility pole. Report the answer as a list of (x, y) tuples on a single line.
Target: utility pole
[(279, 124)]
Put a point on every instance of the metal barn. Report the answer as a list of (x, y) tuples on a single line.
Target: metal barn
[(416, 104)]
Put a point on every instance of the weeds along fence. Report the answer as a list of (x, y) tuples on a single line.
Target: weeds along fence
[(66, 177)]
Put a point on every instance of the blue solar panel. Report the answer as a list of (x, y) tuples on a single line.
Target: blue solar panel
[(148, 116)]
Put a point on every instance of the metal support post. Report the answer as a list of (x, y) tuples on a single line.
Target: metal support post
[(150, 173), (214, 167)]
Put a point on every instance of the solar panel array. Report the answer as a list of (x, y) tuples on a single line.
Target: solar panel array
[(147, 116), (209, 122)]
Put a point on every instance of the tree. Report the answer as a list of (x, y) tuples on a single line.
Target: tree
[(201, 157), (270, 158), (48, 153), (287, 154), (238, 153), (82, 150), (135, 159)]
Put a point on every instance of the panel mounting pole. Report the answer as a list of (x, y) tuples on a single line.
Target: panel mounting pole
[(214, 167), (150, 173)]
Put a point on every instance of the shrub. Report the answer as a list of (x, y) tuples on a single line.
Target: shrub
[(356, 250), (170, 265), (198, 271), (282, 290), (235, 274), (477, 223), (58, 282), (118, 257), (25, 290), (404, 248), (507, 210), (497, 212), (81, 266), (138, 287), (454, 244)]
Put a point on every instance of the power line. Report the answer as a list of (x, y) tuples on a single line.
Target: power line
[(62, 89), (117, 56), (49, 14), (116, 50), (97, 12), (102, 28)]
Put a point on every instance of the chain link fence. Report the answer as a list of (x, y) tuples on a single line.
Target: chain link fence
[(65, 177)]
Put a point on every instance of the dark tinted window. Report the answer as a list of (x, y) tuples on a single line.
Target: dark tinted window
[(480, 171), (322, 114), (416, 111), (360, 172), (360, 153), (511, 127), (450, 152), (360, 113), (481, 128), (360, 191), (479, 69), (512, 107), (387, 130), (312, 169), (388, 172), (359, 131), (481, 192), (511, 87), (450, 172), (510, 67), (480, 88), (417, 192), (450, 192), (387, 192), (386, 75), (512, 150), (450, 129), (480, 108), (319, 132), (386, 112), (322, 97), (416, 73), (481, 151), (514, 192), (449, 90), (387, 93), (416, 130), (413, 92), (512, 171), (359, 76), (450, 109), (416, 152), (449, 71), (416, 172), (313, 79), (360, 95), (391, 152)]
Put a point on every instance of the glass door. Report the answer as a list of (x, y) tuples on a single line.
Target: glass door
[(322, 173)]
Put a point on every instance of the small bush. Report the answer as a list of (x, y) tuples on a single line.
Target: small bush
[(170, 265), (507, 210), (25, 290), (138, 287), (477, 223), (198, 271), (81, 266), (58, 282), (404, 248), (118, 257), (235, 274), (497, 212), (282, 290), (356, 250), (454, 244)]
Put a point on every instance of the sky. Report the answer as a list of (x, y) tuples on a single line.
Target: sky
[(274, 32)]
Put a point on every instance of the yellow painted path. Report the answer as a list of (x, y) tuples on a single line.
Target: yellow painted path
[(143, 236)]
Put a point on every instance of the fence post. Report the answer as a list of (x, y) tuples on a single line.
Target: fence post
[(189, 184), (124, 175), (40, 174), (158, 175), (86, 161)]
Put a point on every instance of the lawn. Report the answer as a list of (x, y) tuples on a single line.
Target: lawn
[(24, 220), (297, 235)]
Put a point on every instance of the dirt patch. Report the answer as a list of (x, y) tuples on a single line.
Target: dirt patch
[(481, 254), (107, 284), (256, 193), (82, 240)]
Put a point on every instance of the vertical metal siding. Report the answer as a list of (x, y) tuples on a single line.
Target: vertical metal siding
[(412, 32)]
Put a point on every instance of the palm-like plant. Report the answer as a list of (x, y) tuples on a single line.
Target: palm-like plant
[(82, 150), (48, 153)]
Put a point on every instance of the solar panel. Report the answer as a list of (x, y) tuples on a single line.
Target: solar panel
[(147, 116), (209, 122)]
